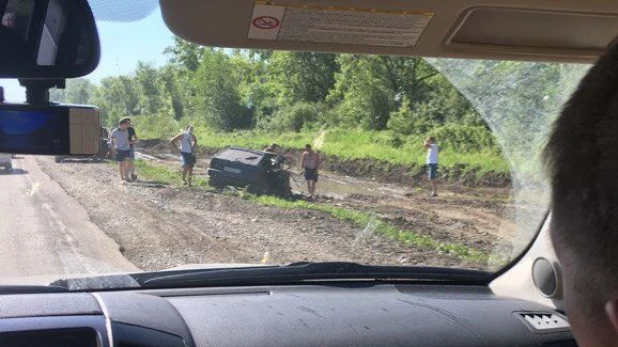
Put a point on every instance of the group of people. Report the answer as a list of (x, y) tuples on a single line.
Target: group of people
[(122, 140), (122, 146)]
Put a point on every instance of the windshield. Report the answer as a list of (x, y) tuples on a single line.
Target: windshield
[(243, 157)]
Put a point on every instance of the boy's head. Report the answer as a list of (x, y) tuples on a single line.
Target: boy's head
[(582, 162)]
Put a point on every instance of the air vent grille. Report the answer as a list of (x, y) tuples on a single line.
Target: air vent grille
[(544, 322)]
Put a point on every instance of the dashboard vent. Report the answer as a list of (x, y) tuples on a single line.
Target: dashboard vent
[(544, 322)]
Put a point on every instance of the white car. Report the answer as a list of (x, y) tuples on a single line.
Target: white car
[(6, 161)]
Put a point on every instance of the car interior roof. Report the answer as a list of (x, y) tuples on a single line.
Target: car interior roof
[(545, 30)]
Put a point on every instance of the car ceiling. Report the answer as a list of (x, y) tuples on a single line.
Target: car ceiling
[(546, 30)]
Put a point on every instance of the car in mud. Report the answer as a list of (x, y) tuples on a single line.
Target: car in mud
[(259, 172), (6, 161)]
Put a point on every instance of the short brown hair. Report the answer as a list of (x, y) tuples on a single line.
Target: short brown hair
[(581, 158)]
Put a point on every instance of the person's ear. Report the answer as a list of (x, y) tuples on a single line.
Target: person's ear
[(611, 309)]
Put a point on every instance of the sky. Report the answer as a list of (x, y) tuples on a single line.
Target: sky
[(122, 46)]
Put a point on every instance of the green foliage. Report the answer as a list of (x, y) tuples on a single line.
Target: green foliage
[(372, 106), (465, 138), (216, 85), (162, 175), (157, 126), (294, 117), (302, 76)]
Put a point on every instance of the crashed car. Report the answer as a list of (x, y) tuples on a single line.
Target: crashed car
[(260, 172)]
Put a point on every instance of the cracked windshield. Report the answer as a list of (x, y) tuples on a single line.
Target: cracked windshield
[(230, 156)]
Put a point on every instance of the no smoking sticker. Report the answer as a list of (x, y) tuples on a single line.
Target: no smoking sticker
[(336, 25), (265, 22)]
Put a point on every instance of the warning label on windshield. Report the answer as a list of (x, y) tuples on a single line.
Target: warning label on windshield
[(271, 21)]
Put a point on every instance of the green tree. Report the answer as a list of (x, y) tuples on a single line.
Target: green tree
[(77, 91), (173, 97), (148, 82), (369, 88), (216, 83), (185, 54), (302, 76)]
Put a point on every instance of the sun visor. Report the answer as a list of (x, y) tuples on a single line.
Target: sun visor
[(524, 31), (547, 30)]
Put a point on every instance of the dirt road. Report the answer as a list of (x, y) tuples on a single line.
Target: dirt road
[(161, 227), (45, 233)]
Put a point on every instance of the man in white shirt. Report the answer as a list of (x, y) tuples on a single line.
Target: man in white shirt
[(187, 141), (432, 163)]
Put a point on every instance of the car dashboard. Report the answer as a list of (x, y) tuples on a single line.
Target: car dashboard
[(320, 314)]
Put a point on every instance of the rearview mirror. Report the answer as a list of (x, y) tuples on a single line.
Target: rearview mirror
[(49, 129), (47, 39)]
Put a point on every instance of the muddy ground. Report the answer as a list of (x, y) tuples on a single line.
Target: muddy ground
[(480, 217), (160, 226)]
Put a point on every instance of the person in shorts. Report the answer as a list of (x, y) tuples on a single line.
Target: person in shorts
[(119, 140), (309, 164), (432, 163), (187, 141), (131, 158)]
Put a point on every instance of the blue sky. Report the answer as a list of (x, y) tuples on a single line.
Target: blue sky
[(122, 46)]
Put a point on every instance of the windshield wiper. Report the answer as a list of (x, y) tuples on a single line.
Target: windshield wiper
[(303, 272)]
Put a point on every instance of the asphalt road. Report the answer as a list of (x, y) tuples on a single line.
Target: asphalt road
[(45, 234)]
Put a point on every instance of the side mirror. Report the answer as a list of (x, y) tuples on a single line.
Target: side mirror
[(47, 39)]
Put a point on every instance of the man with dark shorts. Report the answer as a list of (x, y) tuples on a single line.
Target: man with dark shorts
[(188, 141), (432, 163), (309, 164), (119, 139), (131, 158)]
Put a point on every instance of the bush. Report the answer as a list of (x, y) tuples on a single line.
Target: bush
[(465, 138), (295, 117), (157, 126)]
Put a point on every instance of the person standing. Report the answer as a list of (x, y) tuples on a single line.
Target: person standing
[(432, 163), (309, 164), (131, 159), (119, 139), (187, 141)]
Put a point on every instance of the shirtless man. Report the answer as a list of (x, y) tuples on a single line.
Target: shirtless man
[(309, 164)]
